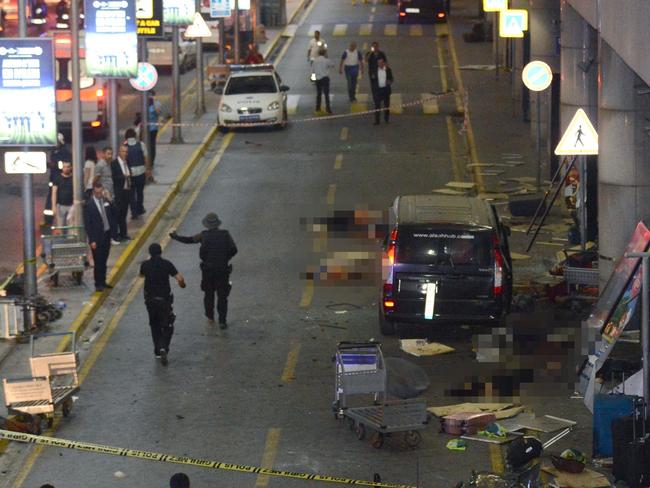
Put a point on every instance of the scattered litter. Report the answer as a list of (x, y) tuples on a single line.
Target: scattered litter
[(420, 347), (545, 243), (527, 421), (119, 474), (447, 191), (340, 311), (500, 410), (587, 479), (510, 164), (462, 185), (478, 67), (480, 165), (493, 196), (457, 445)]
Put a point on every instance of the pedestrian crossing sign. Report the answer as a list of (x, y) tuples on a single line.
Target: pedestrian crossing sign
[(494, 5), (513, 23), (580, 137)]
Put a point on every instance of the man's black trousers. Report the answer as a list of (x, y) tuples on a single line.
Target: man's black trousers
[(122, 198), (161, 321), (382, 97), (215, 281), (100, 257), (137, 195)]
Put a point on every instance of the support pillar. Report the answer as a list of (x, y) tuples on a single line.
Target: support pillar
[(624, 156)]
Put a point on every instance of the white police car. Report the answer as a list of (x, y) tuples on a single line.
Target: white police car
[(253, 93)]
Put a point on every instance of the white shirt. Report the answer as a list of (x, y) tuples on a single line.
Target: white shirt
[(125, 172), (314, 47), (90, 165), (321, 66), (351, 58), (381, 77)]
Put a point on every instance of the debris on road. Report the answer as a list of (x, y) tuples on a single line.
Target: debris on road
[(420, 347), (500, 410)]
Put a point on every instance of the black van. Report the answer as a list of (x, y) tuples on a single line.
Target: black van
[(446, 260), (422, 10)]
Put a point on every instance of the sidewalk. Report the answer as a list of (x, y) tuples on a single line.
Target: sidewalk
[(174, 163)]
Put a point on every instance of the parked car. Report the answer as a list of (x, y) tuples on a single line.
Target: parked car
[(160, 52), (446, 260)]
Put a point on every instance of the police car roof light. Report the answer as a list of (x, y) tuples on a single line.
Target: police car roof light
[(251, 67)]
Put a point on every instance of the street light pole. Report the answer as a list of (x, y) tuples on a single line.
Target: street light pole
[(112, 113), (144, 101), (177, 137), (29, 245), (222, 39), (236, 33), (200, 92), (77, 136)]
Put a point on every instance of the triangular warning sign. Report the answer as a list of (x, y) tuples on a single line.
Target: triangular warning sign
[(580, 137), (198, 28)]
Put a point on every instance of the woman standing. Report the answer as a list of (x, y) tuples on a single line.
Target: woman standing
[(89, 170)]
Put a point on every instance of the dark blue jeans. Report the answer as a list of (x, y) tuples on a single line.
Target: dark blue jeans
[(352, 75)]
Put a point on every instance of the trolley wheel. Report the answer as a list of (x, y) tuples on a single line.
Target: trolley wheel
[(377, 440), (78, 277), (412, 438), (66, 407), (351, 423), (360, 429)]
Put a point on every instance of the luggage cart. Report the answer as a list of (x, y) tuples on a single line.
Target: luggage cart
[(52, 384), (361, 370), (64, 250)]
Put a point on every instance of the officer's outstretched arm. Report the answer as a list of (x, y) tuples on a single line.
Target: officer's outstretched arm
[(186, 239), (180, 280)]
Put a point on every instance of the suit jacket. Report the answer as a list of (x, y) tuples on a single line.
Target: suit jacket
[(387, 90), (93, 220), (118, 177)]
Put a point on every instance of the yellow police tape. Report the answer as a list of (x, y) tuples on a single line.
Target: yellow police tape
[(201, 463)]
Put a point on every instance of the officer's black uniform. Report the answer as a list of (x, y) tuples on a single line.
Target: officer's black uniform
[(217, 248), (158, 299)]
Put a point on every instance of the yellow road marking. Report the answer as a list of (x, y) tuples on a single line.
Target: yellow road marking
[(307, 294), (441, 62), (268, 458), (478, 178), (373, 9), (442, 30), (415, 30), (340, 30), (390, 30), (338, 162), (496, 458), (365, 29), (102, 341), (345, 133), (331, 193), (289, 371)]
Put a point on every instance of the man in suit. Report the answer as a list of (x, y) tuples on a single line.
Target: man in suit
[(98, 214), (372, 58), (383, 91), (122, 190)]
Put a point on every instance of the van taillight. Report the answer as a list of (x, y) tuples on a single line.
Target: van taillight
[(390, 251), (388, 296), (498, 271), (99, 93)]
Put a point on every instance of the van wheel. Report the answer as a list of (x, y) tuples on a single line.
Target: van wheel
[(386, 327)]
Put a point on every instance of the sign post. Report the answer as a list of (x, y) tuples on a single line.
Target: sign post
[(198, 30), (177, 13), (580, 139), (219, 9), (537, 76)]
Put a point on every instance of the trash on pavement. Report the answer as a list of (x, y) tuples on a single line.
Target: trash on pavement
[(457, 445), (586, 479), (527, 421), (466, 423), (500, 410), (420, 347)]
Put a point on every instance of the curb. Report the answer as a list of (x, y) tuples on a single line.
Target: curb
[(87, 313), (275, 41)]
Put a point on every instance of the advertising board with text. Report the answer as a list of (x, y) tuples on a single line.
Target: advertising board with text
[(27, 93), (149, 16), (219, 8), (178, 12), (111, 38)]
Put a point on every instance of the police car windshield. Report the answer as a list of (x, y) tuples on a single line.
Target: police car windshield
[(251, 84)]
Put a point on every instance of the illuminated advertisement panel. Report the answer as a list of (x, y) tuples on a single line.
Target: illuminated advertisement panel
[(178, 12)]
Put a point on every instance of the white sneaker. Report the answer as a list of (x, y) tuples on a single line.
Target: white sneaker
[(115, 243)]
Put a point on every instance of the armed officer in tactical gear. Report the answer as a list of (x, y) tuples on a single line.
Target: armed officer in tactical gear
[(217, 248)]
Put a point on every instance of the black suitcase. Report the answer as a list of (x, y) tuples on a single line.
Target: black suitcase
[(631, 449)]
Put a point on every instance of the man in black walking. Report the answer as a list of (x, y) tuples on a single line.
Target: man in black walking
[(217, 248), (158, 299), (372, 57), (382, 91), (121, 175)]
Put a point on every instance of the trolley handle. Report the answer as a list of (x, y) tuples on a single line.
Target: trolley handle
[(354, 345)]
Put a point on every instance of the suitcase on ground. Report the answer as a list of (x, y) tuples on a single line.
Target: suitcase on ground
[(466, 423), (607, 408), (631, 460)]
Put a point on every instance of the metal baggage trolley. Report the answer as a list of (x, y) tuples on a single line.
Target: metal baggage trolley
[(361, 370), (64, 250)]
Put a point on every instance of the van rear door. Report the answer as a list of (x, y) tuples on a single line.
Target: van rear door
[(457, 260)]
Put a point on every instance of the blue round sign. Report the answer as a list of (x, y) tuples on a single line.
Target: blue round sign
[(146, 79), (537, 76)]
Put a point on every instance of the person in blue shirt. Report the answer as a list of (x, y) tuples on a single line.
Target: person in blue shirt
[(154, 108)]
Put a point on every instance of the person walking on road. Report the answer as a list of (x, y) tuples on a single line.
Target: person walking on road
[(57, 156), (121, 175), (136, 158), (158, 299), (321, 66), (98, 214), (315, 44), (62, 195), (217, 249), (372, 58), (179, 480), (352, 62), (383, 91)]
